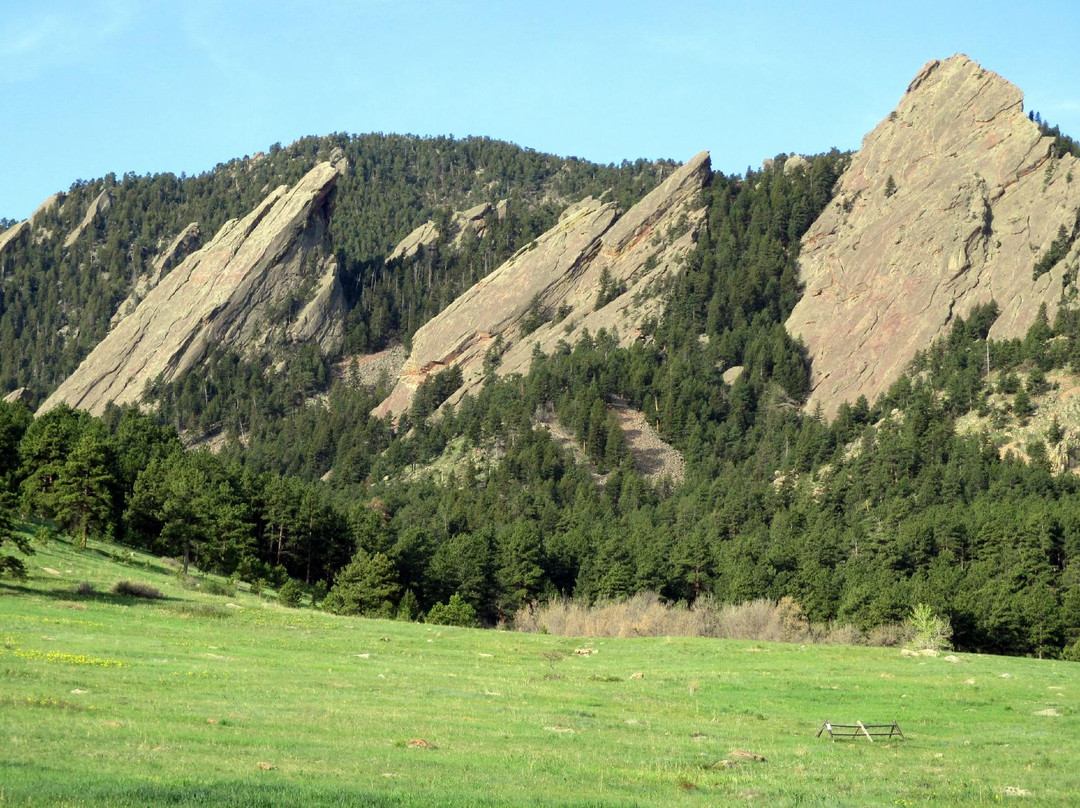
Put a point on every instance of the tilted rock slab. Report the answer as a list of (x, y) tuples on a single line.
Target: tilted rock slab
[(185, 243), (471, 220), (101, 205), (563, 269), (979, 196), (240, 291)]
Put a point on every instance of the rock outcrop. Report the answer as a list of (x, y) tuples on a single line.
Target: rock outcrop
[(263, 280), (185, 243), (20, 395), (461, 222), (13, 236), (949, 204), (99, 207), (549, 290)]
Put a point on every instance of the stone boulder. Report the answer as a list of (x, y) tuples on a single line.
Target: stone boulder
[(949, 204), (264, 280)]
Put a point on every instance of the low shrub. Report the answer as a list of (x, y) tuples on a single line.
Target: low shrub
[(136, 589), (646, 614), (84, 589), (457, 612), (212, 586), (290, 594)]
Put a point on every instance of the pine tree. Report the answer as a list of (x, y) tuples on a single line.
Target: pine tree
[(83, 488)]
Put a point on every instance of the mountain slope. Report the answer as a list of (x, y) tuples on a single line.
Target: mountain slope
[(950, 203)]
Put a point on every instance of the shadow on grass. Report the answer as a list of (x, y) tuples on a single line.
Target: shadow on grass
[(117, 792), (71, 595)]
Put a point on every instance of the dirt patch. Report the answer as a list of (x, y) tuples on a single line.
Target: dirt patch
[(653, 457), (366, 369)]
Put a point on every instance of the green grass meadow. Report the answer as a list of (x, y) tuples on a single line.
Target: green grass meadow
[(234, 700)]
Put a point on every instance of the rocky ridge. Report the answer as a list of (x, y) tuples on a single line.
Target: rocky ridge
[(548, 291), (949, 204), (263, 280)]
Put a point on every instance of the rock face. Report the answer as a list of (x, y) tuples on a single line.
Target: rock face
[(548, 291), (428, 233), (99, 207), (19, 395), (185, 243), (949, 204), (263, 280), (13, 235)]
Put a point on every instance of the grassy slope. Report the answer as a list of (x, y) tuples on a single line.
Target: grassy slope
[(200, 700)]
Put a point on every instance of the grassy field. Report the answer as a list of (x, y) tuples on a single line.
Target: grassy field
[(234, 700)]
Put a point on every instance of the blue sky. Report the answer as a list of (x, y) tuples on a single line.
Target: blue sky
[(93, 86)]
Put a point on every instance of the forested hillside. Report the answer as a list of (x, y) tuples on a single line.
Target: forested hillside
[(857, 520), (61, 283)]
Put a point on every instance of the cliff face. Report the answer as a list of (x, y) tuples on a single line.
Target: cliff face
[(949, 204), (263, 280), (548, 291)]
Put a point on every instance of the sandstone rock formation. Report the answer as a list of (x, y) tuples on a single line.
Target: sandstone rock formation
[(18, 395), (428, 233), (949, 203), (423, 236), (263, 280), (185, 243), (99, 207), (54, 201), (559, 276), (13, 235)]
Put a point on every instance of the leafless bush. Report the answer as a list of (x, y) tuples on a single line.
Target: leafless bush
[(889, 635), (136, 589), (763, 619), (842, 634), (83, 589), (642, 615), (647, 615)]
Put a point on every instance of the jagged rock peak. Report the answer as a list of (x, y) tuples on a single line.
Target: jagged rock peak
[(548, 291), (240, 291), (948, 204)]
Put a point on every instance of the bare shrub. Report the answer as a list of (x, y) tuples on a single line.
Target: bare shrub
[(843, 634), (84, 589), (646, 615), (888, 635), (766, 620), (136, 589), (642, 615)]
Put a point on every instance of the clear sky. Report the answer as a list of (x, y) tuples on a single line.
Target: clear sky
[(93, 86)]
